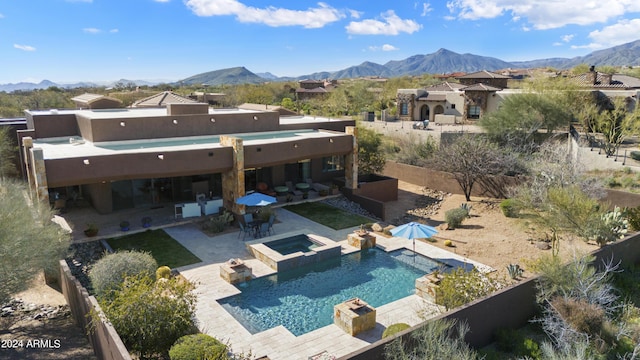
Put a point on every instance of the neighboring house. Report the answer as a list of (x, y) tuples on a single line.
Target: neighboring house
[(96, 101), (162, 100), (208, 98), (310, 89), (134, 157), (481, 93)]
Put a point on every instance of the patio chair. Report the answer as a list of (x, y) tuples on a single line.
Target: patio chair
[(264, 229), (272, 219), (247, 218), (292, 188), (244, 230)]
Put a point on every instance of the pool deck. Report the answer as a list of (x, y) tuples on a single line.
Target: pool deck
[(278, 343)]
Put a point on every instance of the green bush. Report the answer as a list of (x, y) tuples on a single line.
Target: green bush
[(633, 217), (198, 347), (454, 217), (635, 155), (149, 315), (394, 329), (515, 342), (109, 272), (509, 208), (163, 272)]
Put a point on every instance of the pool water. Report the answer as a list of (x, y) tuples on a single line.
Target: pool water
[(302, 299), (292, 244)]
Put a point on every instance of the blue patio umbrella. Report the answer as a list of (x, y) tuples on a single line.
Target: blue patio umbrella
[(256, 199), (413, 231)]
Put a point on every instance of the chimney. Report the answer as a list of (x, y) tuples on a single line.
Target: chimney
[(592, 75)]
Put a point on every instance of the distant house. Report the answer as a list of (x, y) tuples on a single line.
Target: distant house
[(208, 98), (314, 88), (485, 77), (162, 100), (96, 101)]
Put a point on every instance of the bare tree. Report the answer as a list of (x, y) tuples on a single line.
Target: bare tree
[(471, 159)]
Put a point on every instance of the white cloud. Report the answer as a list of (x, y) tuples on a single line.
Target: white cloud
[(545, 14), (91, 30), (426, 8), (391, 25), (567, 38), (355, 14), (24, 47), (113, 31), (622, 32), (311, 18), (385, 47), (557, 43)]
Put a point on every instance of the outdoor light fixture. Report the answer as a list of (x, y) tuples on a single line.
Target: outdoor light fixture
[(295, 145), (212, 120), (122, 123), (175, 121), (330, 140), (255, 117), (161, 156), (211, 153), (86, 161)]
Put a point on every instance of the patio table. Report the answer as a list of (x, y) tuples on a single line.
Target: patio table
[(302, 186), (281, 190)]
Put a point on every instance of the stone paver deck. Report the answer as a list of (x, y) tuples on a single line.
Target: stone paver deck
[(278, 343)]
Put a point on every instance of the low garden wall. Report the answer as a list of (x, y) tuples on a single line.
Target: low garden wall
[(104, 339), (486, 315)]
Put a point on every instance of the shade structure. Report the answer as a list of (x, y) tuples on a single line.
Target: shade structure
[(414, 230), (256, 199)]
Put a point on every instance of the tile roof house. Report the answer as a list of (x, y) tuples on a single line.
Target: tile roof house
[(96, 101), (162, 100), (131, 157)]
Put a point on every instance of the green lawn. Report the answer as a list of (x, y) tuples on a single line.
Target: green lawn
[(159, 244), (328, 215)]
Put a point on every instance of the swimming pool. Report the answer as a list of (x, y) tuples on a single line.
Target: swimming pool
[(292, 244), (302, 299)]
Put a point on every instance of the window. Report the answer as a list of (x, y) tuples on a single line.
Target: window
[(333, 163), (453, 106), (474, 112), (404, 109)]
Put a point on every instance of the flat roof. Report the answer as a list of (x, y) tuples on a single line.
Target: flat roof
[(133, 112), (75, 147)]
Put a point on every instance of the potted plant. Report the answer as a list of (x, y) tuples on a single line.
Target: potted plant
[(124, 225), (91, 230), (333, 190), (146, 222)]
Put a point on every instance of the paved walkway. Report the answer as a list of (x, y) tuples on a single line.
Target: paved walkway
[(278, 343)]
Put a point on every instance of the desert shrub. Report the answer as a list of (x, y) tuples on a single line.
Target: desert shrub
[(163, 272), (198, 347), (514, 341), (109, 272), (635, 155), (438, 339), (579, 314), (454, 217), (460, 286), (509, 208), (394, 329), (633, 217), (150, 315)]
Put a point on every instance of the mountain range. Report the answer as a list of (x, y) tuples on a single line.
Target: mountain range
[(440, 62)]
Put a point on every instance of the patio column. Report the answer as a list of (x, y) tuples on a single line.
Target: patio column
[(39, 175), (27, 145), (233, 180), (351, 161)]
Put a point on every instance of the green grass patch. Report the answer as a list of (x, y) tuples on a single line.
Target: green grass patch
[(328, 215), (166, 250)]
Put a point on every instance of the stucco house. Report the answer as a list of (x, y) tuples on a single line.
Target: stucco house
[(124, 158)]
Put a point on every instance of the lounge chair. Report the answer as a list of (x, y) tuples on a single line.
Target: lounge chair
[(264, 229), (248, 218)]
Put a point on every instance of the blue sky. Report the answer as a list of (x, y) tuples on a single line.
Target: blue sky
[(106, 40)]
